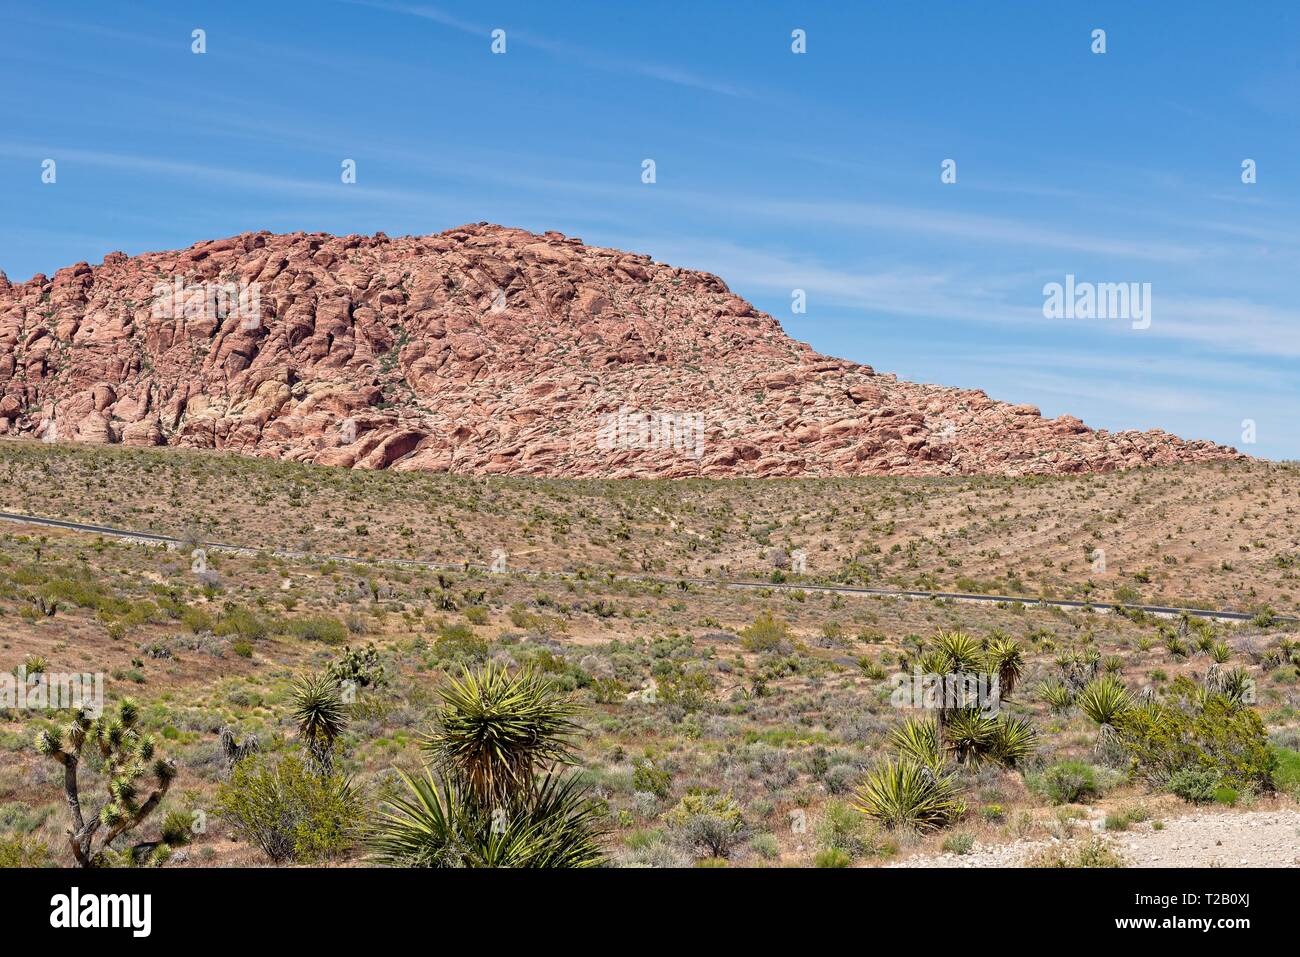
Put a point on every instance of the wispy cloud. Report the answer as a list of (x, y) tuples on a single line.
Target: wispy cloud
[(585, 56)]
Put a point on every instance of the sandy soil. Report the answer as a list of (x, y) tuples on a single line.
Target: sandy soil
[(1210, 839)]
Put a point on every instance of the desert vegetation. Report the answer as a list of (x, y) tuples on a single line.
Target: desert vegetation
[(313, 710)]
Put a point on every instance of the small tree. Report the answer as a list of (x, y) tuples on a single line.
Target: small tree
[(128, 758), (321, 715)]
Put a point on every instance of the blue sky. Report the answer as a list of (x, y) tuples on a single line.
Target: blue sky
[(776, 171)]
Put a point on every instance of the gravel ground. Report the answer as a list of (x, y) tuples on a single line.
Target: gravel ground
[(1247, 839)]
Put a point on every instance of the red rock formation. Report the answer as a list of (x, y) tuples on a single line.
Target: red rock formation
[(488, 350)]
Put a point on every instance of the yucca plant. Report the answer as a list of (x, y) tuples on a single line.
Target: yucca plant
[(1014, 740), (321, 715), (1105, 700), (1056, 693), (1235, 684), (495, 730), (970, 735), (961, 651), (909, 795), (486, 802), (438, 825), (1006, 660), (1220, 652), (917, 739)]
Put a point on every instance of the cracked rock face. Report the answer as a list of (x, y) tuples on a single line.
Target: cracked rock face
[(488, 350)]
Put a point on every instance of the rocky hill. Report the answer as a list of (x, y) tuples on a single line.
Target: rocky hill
[(487, 350)]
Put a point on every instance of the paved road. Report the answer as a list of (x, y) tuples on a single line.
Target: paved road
[(155, 539)]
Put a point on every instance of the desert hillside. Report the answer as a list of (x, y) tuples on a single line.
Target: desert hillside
[(488, 350)]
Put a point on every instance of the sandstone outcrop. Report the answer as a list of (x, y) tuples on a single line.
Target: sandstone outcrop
[(488, 350)]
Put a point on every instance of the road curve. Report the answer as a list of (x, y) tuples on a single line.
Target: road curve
[(153, 538)]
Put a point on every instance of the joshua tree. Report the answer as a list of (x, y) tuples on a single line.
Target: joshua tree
[(128, 757), (234, 750), (321, 715)]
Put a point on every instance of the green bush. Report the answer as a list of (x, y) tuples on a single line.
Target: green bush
[(19, 850), (708, 822), (323, 628), (842, 828), (1069, 782), (958, 843), (1219, 736), (1094, 852), (289, 812), (242, 622), (1286, 776), (651, 779), (765, 634), (176, 828), (832, 857), (1196, 785)]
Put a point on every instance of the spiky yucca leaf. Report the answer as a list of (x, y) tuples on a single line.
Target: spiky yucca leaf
[(1006, 660), (1056, 693), (496, 729), (970, 734), (1014, 740), (918, 739), (906, 794), (557, 825), (1104, 700), (321, 715), (961, 651)]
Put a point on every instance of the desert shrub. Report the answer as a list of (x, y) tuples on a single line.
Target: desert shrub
[(1123, 820), (765, 846), (1209, 732), (289, 812), (21, 850), (649, 778), (839, 778), (707, 821), (1094, 852), (961, 843), (1286, 777), (458, 643), (688, 688), (843, 828), (323, 628), (767, 633), (196, 619), (1195, 785), (910, 795), (241, 621), (176, 828), (832, 857), (1068, 782)]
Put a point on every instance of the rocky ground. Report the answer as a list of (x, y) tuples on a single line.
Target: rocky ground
[(1211, 839), (488, 350)]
